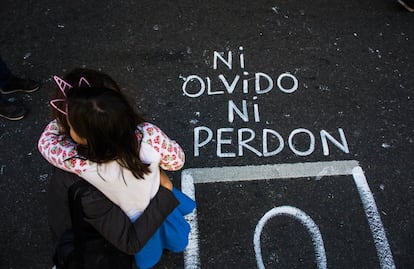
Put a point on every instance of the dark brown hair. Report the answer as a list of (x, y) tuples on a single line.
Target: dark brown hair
[(95, 79), (108, 122)]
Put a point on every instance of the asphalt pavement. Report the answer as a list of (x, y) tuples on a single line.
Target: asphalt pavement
[(296, 118)]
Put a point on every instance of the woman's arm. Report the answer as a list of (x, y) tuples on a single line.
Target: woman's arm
[(110, 221)]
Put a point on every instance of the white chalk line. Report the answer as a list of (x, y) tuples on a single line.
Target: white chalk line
[(191, 253), (193, 176), (270, 171), (304, 219), (374, 219)]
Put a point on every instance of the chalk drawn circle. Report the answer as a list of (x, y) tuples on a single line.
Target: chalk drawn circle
[(304, 219)]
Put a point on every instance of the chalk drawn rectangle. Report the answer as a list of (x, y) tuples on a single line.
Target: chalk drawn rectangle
[(193, 176)]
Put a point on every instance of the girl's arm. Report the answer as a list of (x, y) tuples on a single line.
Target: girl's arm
[(59, 150), (172, 155)]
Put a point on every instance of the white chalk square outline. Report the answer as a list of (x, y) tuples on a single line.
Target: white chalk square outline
[(192, 176)]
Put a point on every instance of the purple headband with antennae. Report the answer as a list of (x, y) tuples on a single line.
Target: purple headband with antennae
[(63, 86)]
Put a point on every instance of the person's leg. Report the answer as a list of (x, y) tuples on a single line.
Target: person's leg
[(10, 83), (11, 109), (5, 74), (8, 109)]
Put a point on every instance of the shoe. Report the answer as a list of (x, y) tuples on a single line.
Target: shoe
[(20, 85), (408, 4), (11, 109)]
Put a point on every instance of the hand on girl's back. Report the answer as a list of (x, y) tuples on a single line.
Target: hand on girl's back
[(165, 180)]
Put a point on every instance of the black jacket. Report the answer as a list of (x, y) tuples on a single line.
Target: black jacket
[(106, 217)]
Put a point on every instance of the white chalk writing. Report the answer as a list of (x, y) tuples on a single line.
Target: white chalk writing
[(195, 86)]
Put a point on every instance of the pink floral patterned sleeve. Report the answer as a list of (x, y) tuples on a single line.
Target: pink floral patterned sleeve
[(59, 150), (172, 155)]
